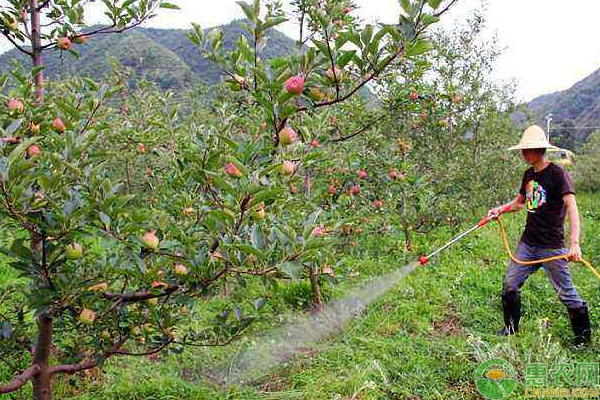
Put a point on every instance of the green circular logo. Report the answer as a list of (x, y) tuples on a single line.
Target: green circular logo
[(495, 379)]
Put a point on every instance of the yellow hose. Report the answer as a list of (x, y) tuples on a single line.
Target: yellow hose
[(512, 257)]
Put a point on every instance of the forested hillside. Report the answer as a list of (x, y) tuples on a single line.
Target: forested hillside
[(164, 56), (576, 111)]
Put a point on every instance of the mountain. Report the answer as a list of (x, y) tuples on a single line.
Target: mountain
[(165, 56), (576, 111)]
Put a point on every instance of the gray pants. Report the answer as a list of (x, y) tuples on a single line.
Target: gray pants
[(557, 271)]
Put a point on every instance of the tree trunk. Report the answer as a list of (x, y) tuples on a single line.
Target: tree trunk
[(317, 298), (42, 382), (407, 237), (36, 49), (406, 224)]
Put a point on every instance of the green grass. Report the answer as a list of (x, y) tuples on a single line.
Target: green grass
[(422, 340)]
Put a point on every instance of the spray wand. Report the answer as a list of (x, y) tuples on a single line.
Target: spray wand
[(424, 259)]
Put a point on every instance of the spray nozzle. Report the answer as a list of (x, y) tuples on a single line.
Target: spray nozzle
[(423, 260)]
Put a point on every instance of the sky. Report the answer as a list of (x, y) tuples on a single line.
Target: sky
[(548, 45)]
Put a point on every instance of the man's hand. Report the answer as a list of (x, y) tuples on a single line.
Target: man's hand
[(575, 253), (494, 212)]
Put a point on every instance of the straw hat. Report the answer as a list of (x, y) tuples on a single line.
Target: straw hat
[(534, 137)]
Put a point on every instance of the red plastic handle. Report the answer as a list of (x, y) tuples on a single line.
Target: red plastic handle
[(423, 260), (488, 219)]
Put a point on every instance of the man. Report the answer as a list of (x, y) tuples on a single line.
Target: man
[(547, 193)]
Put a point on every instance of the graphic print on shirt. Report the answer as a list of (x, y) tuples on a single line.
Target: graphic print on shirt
[(535, 196)]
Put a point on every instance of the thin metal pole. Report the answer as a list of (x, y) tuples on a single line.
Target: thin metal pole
[(450, 243)]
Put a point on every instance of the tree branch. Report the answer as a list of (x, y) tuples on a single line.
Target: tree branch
[(44, 4), (17, 46), (147, 353), (343, 138), (138, 296), (445, 9), (21, 380), (73, 368), (371, 76)]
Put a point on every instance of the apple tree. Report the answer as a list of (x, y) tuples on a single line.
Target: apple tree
[(109, 271), (298, 98), (36, 26), (446, 131)]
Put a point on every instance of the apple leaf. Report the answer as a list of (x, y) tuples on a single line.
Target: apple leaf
[(248, 10), (259, 303), (12, 128), (169, 6), (434, 3), (257, 238), (291, 269), (271, 23)]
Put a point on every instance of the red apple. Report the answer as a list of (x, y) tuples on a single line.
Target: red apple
[(74, 251), (414, 96), (87, 316), (295, 85), (58, 125), (288, 168), (362, 174), (15, 106), (287, 136), (318, 231), (335, 74), (34, 150), (355, 190), (159, 284), (11, 139), (232, 170), (150, 241), (180, 269), (63, 43)]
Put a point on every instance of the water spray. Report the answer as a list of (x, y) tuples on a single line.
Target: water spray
[(303, 332)]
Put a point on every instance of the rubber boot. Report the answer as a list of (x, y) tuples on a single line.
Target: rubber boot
[(511, 305), (580, 322)]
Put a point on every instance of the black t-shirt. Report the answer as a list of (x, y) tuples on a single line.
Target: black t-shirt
[(543, 192)]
